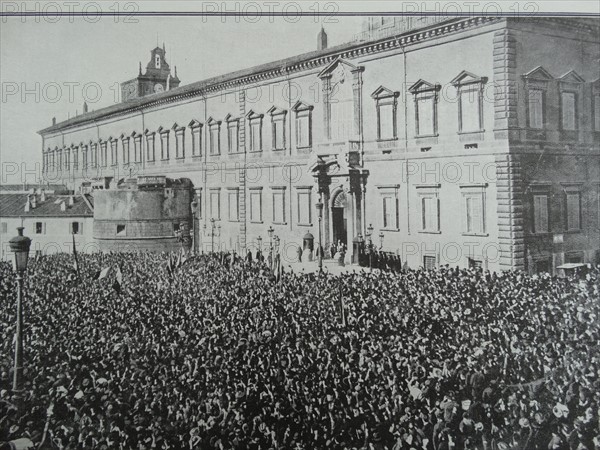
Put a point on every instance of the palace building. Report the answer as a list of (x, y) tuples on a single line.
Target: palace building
[(464, 141)]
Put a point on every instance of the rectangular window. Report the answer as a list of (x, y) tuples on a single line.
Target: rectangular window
[(121, 230), (84, 156), (390, 212), (470, 110), (569, 111), (75, 152), (279, 206), (430, 213), (4, 228), (536, 108), (164, 146), (125, 144), (233, 140), (180, 143), (304, 206), (597, 112), (76, 227), (540, 213), (473, 212), (40, 228), (303, 131), (113, 152), (214, 140), (256, 135), (573, 211), (255, 206), (67, 159), (234, 205), (150, 150), (425, 116), (386, 115), (215, 205), (137, 149), (429, 262), (197, 141), (278, 125)]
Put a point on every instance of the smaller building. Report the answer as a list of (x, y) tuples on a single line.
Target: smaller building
[(50, 218), (147, 213)]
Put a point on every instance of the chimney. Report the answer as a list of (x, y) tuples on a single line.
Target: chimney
[(71, 201), (27, 205), (85, 107), (63, 206), (322, 39), (33, 201), (54, 121), (43, 196)]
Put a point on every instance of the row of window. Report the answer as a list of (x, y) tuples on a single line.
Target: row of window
[(40, 228), (255, 207), (97, 154), (542, 210), (570, 86)]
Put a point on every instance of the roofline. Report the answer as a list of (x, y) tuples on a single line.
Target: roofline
[(282, 67), (304, 61)]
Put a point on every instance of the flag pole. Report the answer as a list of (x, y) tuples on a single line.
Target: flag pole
[(76, 260)]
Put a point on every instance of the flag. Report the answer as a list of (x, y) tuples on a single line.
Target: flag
[(102, 273), (342, 308), (76, 262), (118, 281)]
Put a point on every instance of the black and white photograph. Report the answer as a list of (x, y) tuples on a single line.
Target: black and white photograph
[(299, 225)]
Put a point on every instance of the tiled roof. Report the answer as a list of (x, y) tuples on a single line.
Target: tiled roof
[(25, 187), (13, 205)]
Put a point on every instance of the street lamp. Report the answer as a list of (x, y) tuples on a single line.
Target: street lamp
[(361, 241), (381, 236), (319, 206), (194, 206), (19, 245), (369, 235)]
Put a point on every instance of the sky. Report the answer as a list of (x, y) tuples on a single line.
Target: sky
[(50, 64)]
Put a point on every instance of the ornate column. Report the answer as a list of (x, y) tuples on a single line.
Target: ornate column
[(323, 189), (357, 83)]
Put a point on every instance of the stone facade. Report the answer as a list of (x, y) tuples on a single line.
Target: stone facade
[(428, 134)]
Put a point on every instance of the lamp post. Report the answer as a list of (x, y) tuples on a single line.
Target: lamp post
[(194, 206), (381, 236), (19, 245), (361, 241), (369, 235), (270, 232), (319, 206), (259, 243), (213, 234)]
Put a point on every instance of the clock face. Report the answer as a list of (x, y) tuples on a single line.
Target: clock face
[(158, 88)]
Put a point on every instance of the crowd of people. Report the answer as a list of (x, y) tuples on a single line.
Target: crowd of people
[(221, 355)]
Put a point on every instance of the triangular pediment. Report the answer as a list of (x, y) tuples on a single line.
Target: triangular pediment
[(253, 115), (382, 92), (572, 77), (211, 121), (422, 86), (539, 73), (194, 123), (301, 106), (466, 77), (274, 110), (327, 71), (134, 134)]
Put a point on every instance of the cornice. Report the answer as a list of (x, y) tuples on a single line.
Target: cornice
[(347, 51)]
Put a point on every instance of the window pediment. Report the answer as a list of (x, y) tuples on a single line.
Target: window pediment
[(301, 106), (194, 124), (465, 77), (212, 121), (538, 74), (335, 65), (177, 127), (383, 92), (275, 111), (424, 86), (571, 77), (253, 115)]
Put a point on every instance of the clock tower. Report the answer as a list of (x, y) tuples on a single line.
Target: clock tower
[(156, 79)]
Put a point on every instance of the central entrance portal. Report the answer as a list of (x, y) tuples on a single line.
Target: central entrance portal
[(339, 219)]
